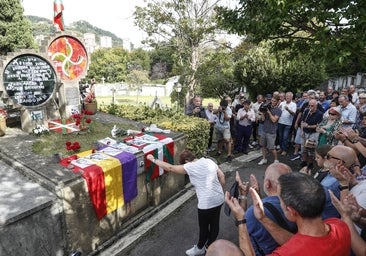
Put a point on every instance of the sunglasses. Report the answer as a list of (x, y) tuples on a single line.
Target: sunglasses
[(328, 156), (332, 114)]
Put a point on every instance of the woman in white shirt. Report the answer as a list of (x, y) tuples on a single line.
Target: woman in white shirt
[(209, 181)]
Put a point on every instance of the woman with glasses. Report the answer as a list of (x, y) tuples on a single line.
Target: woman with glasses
[(328, 126)]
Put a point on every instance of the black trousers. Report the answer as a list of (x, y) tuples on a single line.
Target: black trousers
[(209, 225)]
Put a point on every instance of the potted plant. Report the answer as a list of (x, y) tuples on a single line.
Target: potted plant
[(90, 103), (3, 116)]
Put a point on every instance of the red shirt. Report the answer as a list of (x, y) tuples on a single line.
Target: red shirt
[(336, 243)]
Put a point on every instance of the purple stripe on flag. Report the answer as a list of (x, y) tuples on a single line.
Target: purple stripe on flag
[(129, 175)]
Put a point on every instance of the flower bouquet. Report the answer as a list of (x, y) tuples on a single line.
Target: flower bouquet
[(82, 120), (90, 103), (40, 129), (90, 98)]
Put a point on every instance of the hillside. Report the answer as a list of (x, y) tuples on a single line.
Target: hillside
[(43, 26)]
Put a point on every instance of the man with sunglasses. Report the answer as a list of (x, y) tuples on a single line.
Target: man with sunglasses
[(339, 162)]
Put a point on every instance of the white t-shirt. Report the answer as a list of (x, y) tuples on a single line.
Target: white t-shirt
[(359, 191), (286, 118), (203, 176)]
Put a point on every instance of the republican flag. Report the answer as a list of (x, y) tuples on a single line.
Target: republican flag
[(112, 182), (58, 20)]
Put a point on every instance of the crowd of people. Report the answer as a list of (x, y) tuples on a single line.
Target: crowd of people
[(318, 209)]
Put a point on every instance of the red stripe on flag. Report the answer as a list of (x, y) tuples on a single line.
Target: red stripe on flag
[(58, 8)]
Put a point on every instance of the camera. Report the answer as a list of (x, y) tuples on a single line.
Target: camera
[(264, 107)]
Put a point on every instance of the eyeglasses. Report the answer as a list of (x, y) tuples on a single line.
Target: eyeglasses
[(332, 114), (328, 156)]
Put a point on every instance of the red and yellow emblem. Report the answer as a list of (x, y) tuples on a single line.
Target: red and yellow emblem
[(69, 56)]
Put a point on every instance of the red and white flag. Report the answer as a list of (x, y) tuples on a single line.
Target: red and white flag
[(58, 20)]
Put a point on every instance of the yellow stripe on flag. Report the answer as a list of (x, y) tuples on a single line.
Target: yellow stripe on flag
[(112, 169)]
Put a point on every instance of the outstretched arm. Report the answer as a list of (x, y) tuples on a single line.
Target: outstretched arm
[(239, 214), (166, 166), (279, 234), (357, 243)]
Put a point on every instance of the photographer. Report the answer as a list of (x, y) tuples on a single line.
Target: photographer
[(270, 114), (196, 109), (222, 128)]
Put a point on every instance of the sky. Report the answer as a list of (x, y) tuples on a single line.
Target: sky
[(115, 16)]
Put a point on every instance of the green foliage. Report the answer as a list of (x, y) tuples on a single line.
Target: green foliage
[(15, 30), (41, 26), (216, 74), (139, 59), (110, 63), (330, 32), (196, 130), (186, 25), (264, 72)]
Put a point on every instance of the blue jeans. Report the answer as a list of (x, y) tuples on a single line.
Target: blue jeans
[(283, 133)]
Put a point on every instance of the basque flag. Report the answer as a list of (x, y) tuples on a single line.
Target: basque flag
[(164, 151), (58, 20)]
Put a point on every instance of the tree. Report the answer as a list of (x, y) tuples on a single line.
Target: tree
[(15, 30), (162, 61), (187, 25), (110, 64), (263, 72), (328, 31), (140, 59), (216, 76)]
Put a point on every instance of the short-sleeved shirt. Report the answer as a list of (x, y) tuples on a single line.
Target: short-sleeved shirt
[(203, 176), (286, 118), (336, 243), (268, 125), (349, 113), (259, 236), (312, 119), (221, 123), (330, 183)]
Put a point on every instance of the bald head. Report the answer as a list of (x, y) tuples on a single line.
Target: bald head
[(223, 248), (344, 153), (271, 175), (275, 170)]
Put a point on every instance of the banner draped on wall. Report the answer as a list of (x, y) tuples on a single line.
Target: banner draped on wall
[(58, 20)]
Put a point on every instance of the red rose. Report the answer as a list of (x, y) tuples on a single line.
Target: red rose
[(68, 143), (88, 120)]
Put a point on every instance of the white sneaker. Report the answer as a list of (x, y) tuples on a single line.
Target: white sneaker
[(195, 251), (262, 162), (276, 161)]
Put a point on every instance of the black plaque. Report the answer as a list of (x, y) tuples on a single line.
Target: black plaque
[(29, 80)]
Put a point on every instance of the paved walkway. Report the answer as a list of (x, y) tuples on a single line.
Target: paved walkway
[(174, 229)]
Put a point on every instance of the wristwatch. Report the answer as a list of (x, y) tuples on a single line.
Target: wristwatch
[(342, 187), (239, 222)]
